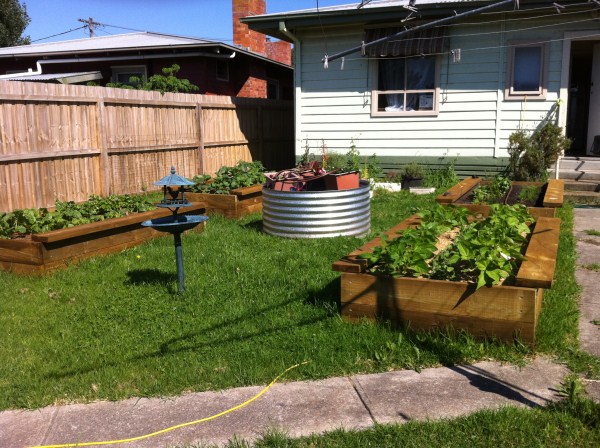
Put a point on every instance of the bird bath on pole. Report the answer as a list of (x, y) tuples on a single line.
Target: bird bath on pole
[(174, 199)]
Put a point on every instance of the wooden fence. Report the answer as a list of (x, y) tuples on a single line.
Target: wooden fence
[(67, 142)]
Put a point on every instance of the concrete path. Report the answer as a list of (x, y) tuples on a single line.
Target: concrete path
[(588, 276), (298, 408)]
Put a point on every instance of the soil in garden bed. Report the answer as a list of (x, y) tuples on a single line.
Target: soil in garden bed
[(528, 195)]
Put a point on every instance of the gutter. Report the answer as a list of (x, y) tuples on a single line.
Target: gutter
[(297, 83), (40, 62)]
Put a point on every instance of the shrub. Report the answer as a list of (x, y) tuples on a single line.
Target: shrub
[(532, 155)]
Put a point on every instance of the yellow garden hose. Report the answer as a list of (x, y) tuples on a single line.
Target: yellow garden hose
[(172, 428)]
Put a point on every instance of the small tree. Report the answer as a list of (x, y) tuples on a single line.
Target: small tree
[(13, 21), (532, 155)]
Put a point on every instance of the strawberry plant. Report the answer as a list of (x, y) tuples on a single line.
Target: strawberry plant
[(69, 214), (244, 174), (484, 252)]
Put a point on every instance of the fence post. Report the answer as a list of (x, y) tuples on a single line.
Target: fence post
[(105, 180), (201, 152)]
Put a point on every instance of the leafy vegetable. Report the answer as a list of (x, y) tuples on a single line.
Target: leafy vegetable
[(244, 174), (492, 192), (484, 252), (69, 214)]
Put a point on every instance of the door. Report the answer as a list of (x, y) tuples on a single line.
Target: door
[(593, 138)]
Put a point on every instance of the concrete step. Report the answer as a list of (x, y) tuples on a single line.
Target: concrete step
[(579, 163), (583, 185), (579, 175), (583, 197)]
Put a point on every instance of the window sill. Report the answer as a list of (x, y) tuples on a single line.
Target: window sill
[(428, 113)]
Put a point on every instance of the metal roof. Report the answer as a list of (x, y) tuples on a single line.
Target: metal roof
[(374, 12), (144, 40), (103, 43), (371, 5), (65, 78)]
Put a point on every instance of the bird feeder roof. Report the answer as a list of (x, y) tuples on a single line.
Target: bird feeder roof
[(173, 180)]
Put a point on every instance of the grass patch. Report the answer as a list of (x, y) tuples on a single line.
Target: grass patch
[(592, 232), (114, 327)]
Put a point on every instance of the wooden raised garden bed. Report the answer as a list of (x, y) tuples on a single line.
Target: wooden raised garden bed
[(42, 252), (503, 312), (551, 196), (240, 202)]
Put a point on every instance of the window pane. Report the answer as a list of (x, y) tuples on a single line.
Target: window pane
[(391, 102), (527, 69), (420, 73), (391, 74)]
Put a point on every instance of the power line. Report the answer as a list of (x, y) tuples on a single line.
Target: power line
[(59, 34)]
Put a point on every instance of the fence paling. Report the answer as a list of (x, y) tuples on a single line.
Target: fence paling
[(67, 142)]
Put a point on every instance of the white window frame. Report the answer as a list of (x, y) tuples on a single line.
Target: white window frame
[(540, 94), (134, 70), (434, 112), (225, 64)]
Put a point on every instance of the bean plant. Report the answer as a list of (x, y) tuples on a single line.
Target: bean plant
[(484, 252)]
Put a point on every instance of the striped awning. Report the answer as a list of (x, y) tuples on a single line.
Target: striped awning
[(428, 41)]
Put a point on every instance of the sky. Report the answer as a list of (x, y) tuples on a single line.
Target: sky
[(209, 19)]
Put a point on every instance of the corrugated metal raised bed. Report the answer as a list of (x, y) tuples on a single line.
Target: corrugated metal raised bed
[(317, 214), (551, 196), (500, 311)]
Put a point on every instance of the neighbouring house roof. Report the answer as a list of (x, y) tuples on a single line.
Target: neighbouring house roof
[(372, 12), (141, 41), (63, 78)]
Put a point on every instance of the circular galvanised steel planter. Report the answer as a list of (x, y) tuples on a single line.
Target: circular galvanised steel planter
[(317, 214)]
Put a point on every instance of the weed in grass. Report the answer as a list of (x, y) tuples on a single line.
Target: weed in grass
[(591, 267), (592, 232)]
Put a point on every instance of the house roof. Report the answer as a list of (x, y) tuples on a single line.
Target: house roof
[(63, 78), (125, 43), (376, 11)]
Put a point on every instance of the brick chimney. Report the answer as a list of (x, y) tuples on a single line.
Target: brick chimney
[(279, 51), (242, 35), (255, 86)]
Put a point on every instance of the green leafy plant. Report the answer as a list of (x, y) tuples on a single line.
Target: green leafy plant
[(529, 193), (592, 232), (441, 179), (493, 191), (483, 252), (530, 156), (413, 171), (69, 214), (244, 174), (167, 82)]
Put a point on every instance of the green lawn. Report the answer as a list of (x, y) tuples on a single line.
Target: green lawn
[(114, 327)]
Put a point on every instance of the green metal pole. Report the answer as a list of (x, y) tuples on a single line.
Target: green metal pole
[(179, 259)]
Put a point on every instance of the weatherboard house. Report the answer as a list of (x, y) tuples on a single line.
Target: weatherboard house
[(442, 81)]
